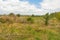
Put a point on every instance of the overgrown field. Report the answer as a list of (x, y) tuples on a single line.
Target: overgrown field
[(29, 27)]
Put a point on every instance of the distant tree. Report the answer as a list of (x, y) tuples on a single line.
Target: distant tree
[(18, 15), (32, 15), (11, 14), (46, 18)]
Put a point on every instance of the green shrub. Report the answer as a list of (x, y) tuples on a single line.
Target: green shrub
[(57, 15), (30, 20), (18, 15), (37, 38), (2, 20)]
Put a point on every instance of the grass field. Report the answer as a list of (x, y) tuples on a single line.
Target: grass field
[(18, 28)]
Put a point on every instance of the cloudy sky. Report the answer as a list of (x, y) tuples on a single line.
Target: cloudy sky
[(28, 7)]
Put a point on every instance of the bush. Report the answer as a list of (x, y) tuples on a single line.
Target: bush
[(2, 20), (30, 20), (57, 15), (18, 15)]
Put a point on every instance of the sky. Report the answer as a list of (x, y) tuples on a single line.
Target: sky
[(29, 7)]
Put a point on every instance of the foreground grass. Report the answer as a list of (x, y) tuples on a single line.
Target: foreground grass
[(17, 31), (30, 31)]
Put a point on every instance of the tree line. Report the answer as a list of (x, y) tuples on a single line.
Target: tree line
[(30, 19)]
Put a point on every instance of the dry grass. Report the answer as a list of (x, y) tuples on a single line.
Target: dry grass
[(30, 31)]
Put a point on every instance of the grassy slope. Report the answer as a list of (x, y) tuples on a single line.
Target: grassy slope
[(27, 31)]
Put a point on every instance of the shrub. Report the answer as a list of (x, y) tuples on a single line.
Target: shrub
[(2, 20), (57, 15), (18, 15), (37, 38), (30, 20)]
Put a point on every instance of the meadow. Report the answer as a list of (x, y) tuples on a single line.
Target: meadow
[(20, 27)]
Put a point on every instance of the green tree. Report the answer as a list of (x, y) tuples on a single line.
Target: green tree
[(11, 14), (46, 18), (32, 15)]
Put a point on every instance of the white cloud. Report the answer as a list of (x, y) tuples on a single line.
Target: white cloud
[(18, 7), (51, 5), (25, 8)]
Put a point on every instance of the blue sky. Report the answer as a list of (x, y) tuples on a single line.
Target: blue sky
[(29, 7), (34, 2)]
